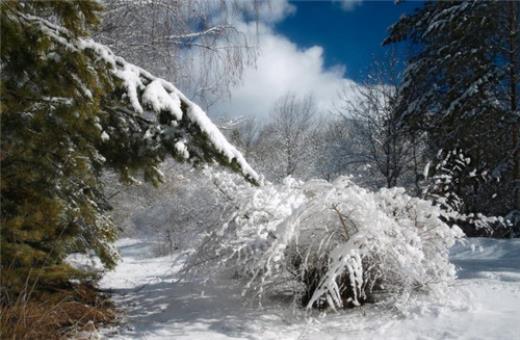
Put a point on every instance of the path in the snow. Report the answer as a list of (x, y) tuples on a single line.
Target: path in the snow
[(484, 304)]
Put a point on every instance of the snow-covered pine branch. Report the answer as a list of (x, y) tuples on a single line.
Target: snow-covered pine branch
[(172, 120), (440, 188)]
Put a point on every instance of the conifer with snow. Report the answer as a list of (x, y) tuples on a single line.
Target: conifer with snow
[(71, 109), (461, 87)]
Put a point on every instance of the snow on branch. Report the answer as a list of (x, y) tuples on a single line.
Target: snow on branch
[(147, 93), (215, 30)]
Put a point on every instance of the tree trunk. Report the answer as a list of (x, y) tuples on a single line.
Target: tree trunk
[(513, 79)]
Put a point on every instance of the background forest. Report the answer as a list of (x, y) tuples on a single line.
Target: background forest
[(445, 128)]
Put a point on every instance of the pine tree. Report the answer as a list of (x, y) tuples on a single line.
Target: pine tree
[(70, 109), (460, 87)]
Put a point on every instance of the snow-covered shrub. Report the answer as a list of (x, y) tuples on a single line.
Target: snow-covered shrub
[(444, 188), (331, 244)]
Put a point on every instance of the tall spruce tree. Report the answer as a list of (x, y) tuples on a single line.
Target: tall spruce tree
[(461, 88), (69, 110)]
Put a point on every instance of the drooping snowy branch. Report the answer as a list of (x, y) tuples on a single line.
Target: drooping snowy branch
[(187, 126)]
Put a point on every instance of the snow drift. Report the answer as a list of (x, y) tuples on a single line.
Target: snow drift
[(331, 244)]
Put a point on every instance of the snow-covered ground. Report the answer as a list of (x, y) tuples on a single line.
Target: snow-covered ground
[(483, 303)]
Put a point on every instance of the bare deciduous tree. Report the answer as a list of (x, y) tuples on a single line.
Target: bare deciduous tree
[(382, 142), (287, 144), (335, 147), (292, 121), (196, 44)]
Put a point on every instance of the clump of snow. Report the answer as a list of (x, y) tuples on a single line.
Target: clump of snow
[(130, 76), (105, 137), (333, 244), (160, 100), (85, 262), (182, 149)]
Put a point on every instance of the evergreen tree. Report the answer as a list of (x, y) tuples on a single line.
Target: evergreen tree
[(460, 87), (69, 110)]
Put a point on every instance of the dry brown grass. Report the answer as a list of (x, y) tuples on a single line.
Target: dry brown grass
[(56, 315)]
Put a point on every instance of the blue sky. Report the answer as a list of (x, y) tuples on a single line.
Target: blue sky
[(350, 36)]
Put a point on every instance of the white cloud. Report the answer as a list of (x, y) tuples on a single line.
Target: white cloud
[(349, 5), (282, 67), (274, 11), (268, 12)]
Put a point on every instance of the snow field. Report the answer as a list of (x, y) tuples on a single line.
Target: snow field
[(482, 303)]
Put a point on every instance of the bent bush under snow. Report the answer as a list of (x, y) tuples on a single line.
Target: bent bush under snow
[(332, 244)]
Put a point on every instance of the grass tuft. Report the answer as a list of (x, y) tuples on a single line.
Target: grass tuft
[(56, 315)]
